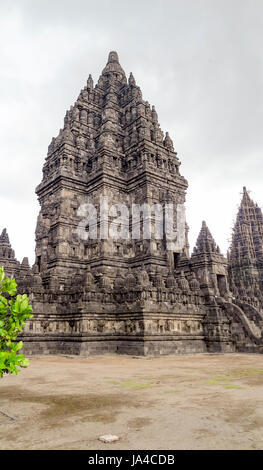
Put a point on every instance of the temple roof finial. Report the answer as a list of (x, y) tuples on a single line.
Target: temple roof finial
[(245, 192), (113, 57), (90, 83), (168, 143), (246, 200), (113, 66), (25, 262), (132, 79)]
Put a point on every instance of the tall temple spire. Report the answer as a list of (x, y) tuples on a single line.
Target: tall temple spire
[(110, 132), (106, 125), (246, 252), (247, 237)]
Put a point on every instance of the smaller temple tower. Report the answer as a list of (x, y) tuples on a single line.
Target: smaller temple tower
[(246, 253), (209, 265), (7, 255), (13, 268)]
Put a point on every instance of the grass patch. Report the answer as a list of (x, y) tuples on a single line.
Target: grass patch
[(231, 386), (129, 383), (245, 373), (217, 380), (251, 376), (224, 382), (135, 386)]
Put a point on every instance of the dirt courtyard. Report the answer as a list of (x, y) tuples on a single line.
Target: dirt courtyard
[(181, 402)]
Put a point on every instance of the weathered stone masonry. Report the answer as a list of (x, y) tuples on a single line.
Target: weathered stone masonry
[(131, 296)]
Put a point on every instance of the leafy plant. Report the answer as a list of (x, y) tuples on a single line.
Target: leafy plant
[(14, 311)]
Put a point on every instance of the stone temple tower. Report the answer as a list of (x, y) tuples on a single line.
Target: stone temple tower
[(131, 294), (246, 253), (13, 268), (7, 254), (111, 145)]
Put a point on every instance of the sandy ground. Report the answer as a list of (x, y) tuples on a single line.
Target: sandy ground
[(182, 402)]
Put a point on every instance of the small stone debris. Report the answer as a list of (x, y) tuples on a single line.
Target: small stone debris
[(108, 438), (4, 413)]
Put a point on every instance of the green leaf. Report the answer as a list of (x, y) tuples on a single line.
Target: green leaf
[(13, 316)]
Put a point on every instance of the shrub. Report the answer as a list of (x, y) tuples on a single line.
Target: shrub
[(14, 311)]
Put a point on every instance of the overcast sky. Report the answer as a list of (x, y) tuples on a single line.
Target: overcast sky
[(200, 62)]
